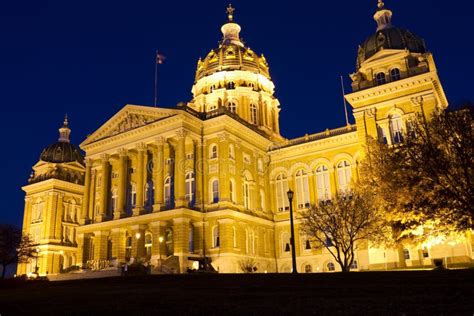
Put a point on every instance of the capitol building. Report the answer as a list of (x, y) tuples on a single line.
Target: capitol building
[(209, 178)]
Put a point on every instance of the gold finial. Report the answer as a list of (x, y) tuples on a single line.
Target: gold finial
[(381, 4), (230, 12)]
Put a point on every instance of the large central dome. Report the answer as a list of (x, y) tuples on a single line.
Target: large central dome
[(231, 54)]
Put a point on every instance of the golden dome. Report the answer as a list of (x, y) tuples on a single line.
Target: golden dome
[(231, 54)]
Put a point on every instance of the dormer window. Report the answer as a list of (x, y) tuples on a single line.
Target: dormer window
[(231, 85), (395, 74), (380, 78)]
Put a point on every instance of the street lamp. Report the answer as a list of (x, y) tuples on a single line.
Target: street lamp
[(160, 239), (292, 240)]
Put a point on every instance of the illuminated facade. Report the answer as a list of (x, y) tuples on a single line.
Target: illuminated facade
[(210, 176)]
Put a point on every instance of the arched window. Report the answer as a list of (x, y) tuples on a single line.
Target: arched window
[(190, 187), (128, 248), (323, 183), (308, 268), (213, 151), (406, 254), (168, 191), (215, 191), (396, 127), (114, 199), (215, 237), (380, 78), (232, 106), (382, 135), (253, 113), (281, 184), (231, 151), (395, 74), (232, 190), (302, 189), (148, 245), (231, 85), (246, 191), (330, 266), (344, 174)]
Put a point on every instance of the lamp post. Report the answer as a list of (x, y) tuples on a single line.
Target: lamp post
[(160, 239), (292, 229)]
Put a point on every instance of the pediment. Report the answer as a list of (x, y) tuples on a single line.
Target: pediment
[(384, 55), (128, 118)]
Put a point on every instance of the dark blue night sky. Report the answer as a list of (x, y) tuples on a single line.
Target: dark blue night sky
[(90, 58)]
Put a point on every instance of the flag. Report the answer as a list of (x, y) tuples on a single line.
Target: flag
[(160, 58)]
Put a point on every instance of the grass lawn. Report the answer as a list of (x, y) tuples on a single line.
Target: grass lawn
[(388, 293)]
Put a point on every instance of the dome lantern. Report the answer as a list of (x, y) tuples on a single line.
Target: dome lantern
[(383, 17), (231, 30), (64, 131)]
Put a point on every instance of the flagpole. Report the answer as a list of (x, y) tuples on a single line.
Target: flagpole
[(343, 98), (156, 78)]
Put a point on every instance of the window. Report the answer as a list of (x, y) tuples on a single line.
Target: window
[(425, 253), (308, 268), (114, 200), (285, 239), (323, 184), (232, 106), (330, 266), (344, 175), (190, 187), (213, 151), (148, 244), (302, 189), (133, 195), (281, 193), (246, 191), (382, 135), (396, 127), (354, 265), (253, 113), (395, 74), (406, 254), (232, 190), (231, 85), (128, 248), (215, 237), (380, 78), (307, 245), (191, 239), (215, 191), (167, 191), (231, 151)]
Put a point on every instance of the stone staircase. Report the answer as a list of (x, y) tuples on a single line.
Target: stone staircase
[(168, 265)]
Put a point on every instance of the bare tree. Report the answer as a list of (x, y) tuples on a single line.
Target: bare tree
[(14, 247), (343, 224), (426, 182)]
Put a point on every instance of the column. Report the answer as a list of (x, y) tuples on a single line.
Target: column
[(92, 193), (122, 187), (118, 244), (104, 189), (100, 245), (80, 250), (85, 201), (138, 241), (223, 158), (158, 249), (138, 210), (180, 158), (181, 240), (199, 168), (158, 173), (226, 235)]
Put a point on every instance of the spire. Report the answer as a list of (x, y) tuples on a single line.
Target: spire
[(231, 30), (64, 131), (383, 16)]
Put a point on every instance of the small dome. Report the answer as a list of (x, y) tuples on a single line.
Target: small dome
[(390, 38), (62, 152)]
